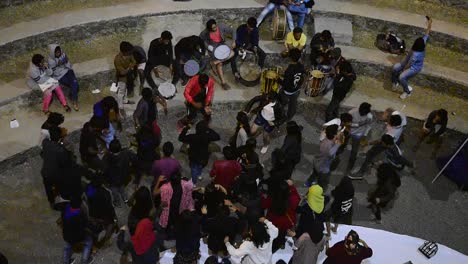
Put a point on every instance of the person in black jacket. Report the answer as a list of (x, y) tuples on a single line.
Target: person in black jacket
[(292, 83), (117, 168), (187, 238), (102, 215), (159, 53), (198, 147), (292, 144), (342, 83), (188, 48), (75, 230), (434, 127), (341, 210), (218, 227), (321, 43), (388, 182)]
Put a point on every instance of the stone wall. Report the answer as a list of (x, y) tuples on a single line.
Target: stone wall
[(7, 3)]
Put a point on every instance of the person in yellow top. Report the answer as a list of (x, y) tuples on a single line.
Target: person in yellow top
[(294, 40)]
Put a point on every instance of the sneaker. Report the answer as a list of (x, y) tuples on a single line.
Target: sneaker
[(410, 89), (264, 150), (355, 177), (395, 87), (405, 95)]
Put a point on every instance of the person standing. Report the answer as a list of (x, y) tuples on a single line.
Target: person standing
[(309, 244), (146, 111), (125, 65), (341, 210), (187, 238), (167, 166), (225, 172), (198, 96), (242, 133), (351, 250), (434, 127), (39, 73), (292, 82), (159, 53), (63, 72), (215, 35), (247, 38), (292, 144), (342, 83), (198, 147), (296, 39), (411, 65), (360, 127)]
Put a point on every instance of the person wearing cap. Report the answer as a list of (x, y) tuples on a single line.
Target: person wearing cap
[(321, 43), (292, 144), (352, 250)]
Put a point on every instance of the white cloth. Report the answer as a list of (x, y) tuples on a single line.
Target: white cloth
[(268, 112), (335, 121)]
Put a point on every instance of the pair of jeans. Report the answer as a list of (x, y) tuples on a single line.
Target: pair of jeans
[(68, 251), (47, 98), (196, 170), (301, 12), (373, 152), (121, 94), (291, 102), (400, 75), (355, 144), (118, 195), (70, 80), (269, 8), (261, 59)]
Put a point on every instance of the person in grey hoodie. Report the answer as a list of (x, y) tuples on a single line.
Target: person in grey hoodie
[(63, 72), (38, 74)]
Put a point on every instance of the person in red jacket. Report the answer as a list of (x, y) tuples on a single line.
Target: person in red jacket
[(198, 98), (281, 204), (225, 172), (351, 250)]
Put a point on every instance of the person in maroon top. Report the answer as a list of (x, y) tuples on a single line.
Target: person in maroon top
[(281, 204), (352, 250), (198, 95), (225, 172)]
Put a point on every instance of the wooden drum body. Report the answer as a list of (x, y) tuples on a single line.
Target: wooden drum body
[(269, 81), (279, 24), (315, 83)]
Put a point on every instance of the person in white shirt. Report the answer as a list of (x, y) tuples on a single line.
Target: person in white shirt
[(344, 122), (267, 118), (360, 127), (258, 249)]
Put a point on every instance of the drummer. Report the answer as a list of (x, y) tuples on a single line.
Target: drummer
[(292, 82), (295, 40), (198, 97), (159, 53), (215, 35), (321, 43), (247, 38), (188, 48)]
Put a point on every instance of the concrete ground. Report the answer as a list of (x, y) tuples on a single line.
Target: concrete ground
[(435, 212)]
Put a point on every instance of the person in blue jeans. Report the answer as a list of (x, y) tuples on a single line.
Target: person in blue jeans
[(411, 65), (198, 147), (271, 6), (301, 8)]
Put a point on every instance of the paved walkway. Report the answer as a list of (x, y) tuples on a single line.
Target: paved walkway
[(67, 19)]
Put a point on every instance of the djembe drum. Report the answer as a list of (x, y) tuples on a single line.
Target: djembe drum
[(279, 24), (270, 80), (315, 83)]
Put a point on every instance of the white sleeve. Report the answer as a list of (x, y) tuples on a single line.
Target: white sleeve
[(272, 229)]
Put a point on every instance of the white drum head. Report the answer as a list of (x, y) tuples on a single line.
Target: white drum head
[(167, 90), (222, 52), (191, 68)]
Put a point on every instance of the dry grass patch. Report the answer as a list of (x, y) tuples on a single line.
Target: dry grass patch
[(27, 12)]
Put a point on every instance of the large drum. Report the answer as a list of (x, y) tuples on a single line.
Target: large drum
[(270, 80), (315, 83), (249, 71), (279, 24)]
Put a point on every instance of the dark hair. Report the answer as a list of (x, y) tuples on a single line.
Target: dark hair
[(346, 67), (295, 54), (243, 119), (395, 120), (210, 24), (37, 59), (387, 139), (419, 45), (259, 234), (297, 30), (364, 108), (203, 79), (147, 94), (166, 35), (252, 22), (143, 203), (212, 260), (443, 114), (331, 131), (280, 262), (55, 119), (175, 179), (55, 133), (279, 194), (75, 201), (115, 146), (354, 236), (168, 148), (229, 153), (185, 223), (326, 34), (109, 103), (126, 47), (293, 129), (201, 126), (346, 117)]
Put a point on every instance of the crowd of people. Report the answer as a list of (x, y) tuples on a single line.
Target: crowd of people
[(246, 212)]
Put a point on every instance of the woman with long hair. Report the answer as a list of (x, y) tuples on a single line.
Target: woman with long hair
[(142, 205), (187, 238), (242, 132), (292, 144), (281, 204)]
